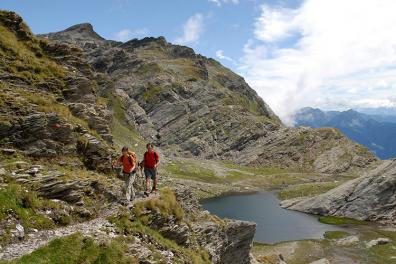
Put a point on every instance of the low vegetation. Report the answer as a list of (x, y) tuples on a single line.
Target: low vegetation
[(123, 133), (335, 234), (190, 170), (23, 204), (136, 222), (307, 251), (165, 204), (27, 59), (336, 220), (306, 189), (79, 249), (151, 94)]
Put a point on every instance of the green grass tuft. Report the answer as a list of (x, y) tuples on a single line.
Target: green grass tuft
[(151, 94), (166, 205), (78, 249), (306, 190), (25, 204), (336, 220), (335, 234)]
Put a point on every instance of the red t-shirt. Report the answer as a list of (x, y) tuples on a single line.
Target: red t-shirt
[(127, 163), (151, 158)]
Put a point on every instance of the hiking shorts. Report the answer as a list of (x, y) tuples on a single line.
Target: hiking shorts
[(150, 173)]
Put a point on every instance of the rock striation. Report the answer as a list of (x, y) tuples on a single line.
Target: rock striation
[(370, 197)]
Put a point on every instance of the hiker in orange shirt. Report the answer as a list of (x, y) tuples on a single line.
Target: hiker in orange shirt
[(128, 161)]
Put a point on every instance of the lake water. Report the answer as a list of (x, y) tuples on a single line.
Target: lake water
[(274, 224)]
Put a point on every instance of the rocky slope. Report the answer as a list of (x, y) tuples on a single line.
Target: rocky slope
[(370, 197), (56, 144), (193, 106)]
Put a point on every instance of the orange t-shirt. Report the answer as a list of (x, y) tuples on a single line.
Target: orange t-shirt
[(127, 163)]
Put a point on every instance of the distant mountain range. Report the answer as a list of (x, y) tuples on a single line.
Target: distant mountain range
[(376, 132)]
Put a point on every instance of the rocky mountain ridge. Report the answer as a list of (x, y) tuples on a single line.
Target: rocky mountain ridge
[(370, 131), (167, 88)]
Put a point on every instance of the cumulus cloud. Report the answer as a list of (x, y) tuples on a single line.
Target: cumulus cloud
[(329, 54), (192, 30), (220, 2), (127, 34), (221, 56)]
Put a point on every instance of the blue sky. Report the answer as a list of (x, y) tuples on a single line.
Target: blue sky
[(226, 26), (331, 54)]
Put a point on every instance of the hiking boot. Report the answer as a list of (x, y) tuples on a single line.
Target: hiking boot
[(154, 190), (146, 193)]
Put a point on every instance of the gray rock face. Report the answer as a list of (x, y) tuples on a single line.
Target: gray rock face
[(44, 116), (191, 105), (227, 242), (42, 135), (370, 197)]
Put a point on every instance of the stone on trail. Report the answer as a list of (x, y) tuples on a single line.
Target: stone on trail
[(378, 241)]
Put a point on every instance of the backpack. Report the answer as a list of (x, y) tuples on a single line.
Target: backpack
[(131, 157), (155, 156)]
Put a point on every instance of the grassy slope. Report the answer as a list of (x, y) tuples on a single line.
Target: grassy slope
[(78, 249), (123, 133)]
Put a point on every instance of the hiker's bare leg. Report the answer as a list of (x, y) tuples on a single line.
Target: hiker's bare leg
[(155, 184), (147, 184)]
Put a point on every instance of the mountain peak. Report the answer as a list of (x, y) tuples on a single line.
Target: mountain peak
[(85, 30), (83, 27), (81, 32)]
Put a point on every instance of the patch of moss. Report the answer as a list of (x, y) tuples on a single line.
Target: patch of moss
[(336, 220), (237, 99), (335, 234), (149, 69), (306, 190), (151, 94), (78, 249), (190, 170)]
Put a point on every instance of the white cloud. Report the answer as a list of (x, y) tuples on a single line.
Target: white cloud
[(327, 54), (275, 24), (220, 55), (192, 30), (220, 2), (127, 34)]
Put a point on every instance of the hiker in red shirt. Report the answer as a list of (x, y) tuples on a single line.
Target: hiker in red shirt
[(150, 163), (128, 161)]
